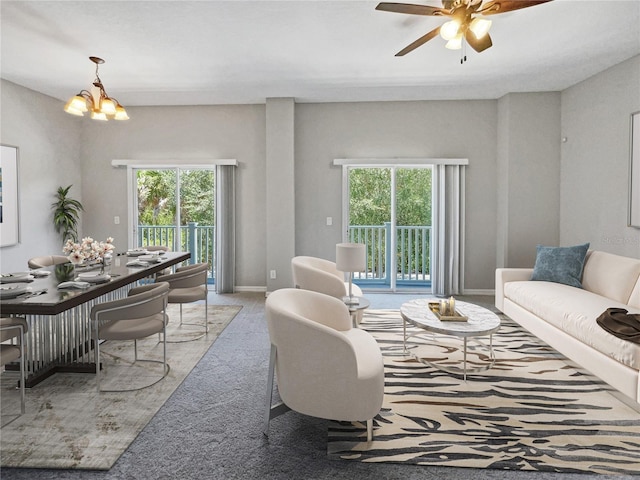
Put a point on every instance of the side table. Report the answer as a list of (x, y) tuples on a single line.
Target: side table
[(354, 308)]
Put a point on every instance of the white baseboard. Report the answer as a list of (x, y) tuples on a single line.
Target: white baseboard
[(260, 289), (478, 291), (257, 289)]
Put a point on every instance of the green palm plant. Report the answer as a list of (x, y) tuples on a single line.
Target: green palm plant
[(66, 214)]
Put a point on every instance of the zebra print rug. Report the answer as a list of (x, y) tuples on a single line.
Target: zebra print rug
[(533, 410)]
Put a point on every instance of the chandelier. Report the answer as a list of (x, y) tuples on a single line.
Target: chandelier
[(97, 101)]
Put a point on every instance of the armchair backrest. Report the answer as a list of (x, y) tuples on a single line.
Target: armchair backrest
[(318, 275)]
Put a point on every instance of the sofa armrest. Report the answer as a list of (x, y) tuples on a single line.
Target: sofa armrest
[(504, 275)]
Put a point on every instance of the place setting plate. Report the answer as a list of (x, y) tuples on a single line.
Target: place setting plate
[(94, 277), (16, 277), (151, 258), (13, 290)]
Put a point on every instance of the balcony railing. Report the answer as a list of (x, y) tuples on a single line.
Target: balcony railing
[(200, 240), (413, 249)]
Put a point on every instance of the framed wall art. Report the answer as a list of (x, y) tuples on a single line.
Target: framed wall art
[(9, 227)]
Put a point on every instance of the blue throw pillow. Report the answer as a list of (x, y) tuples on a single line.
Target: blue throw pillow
[(560, 264)]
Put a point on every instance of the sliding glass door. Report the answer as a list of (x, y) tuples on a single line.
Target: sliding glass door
[(389, 210), (175, 207)]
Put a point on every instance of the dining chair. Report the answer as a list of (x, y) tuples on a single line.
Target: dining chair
[(159, 248), (47, 261), (189, 284), (14, 328), (140, 314), (324, 367)]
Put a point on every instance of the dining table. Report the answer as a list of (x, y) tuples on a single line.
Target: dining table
[(59, 338)]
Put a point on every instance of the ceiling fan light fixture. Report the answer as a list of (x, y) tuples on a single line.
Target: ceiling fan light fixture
[(480, 27), (102, 106), (455, 43), (449, 30)]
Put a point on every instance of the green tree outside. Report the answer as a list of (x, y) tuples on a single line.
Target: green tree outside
[(370, 196), (157, 197)]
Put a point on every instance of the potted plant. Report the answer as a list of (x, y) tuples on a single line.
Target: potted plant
[(66, 214)]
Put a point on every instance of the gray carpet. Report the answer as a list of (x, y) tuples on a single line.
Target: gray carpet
[(211, 427)]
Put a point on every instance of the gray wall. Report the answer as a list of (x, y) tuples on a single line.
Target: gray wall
[(280, 192), (455, 129), (180, 133), (519, 174), (595, 160), (48, 157), (528, 176)]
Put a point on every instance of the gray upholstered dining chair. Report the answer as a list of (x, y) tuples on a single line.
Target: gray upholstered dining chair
[(324, 367), (140, 314), (14, 328), (47, 261), (189, 284), (159, 248)]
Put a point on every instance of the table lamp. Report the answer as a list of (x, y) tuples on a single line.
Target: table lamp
[(351, 257)]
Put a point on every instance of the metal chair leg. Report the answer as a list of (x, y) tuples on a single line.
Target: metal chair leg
[(206, 325), (22, 387), (272, 411)]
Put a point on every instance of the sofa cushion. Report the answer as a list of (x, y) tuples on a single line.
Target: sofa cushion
[(575, 311), (610, 275), (560, 264)]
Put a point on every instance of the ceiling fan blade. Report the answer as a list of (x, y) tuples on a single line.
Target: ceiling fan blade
[(478, 45), (421, 41), (501, 6), (411, 9)]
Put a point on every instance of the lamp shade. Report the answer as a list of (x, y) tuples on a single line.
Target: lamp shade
[(351, 257)]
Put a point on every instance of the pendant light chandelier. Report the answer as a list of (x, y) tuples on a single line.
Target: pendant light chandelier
[(97, 101)]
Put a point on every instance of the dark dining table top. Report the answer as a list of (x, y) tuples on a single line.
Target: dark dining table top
[(55, 300)]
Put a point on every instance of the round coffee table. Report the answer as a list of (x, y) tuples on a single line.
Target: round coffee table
[(480, 322)]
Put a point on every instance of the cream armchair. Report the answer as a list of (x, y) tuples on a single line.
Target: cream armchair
[(324, 367), (320, 275)]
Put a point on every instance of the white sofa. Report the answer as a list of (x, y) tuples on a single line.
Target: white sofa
[(565, 316)]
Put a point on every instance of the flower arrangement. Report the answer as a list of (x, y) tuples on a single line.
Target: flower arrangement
[(89, 250)]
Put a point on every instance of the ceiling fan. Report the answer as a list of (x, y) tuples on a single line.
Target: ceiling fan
[(465, 22)]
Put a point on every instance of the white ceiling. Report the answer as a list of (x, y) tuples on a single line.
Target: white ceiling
[(220, 52)]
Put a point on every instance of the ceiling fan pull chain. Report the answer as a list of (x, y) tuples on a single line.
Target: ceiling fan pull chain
[(463, 52)]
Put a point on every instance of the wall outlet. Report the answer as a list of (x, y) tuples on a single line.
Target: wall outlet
[(329, 221), (273, 274), (116, 220)]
